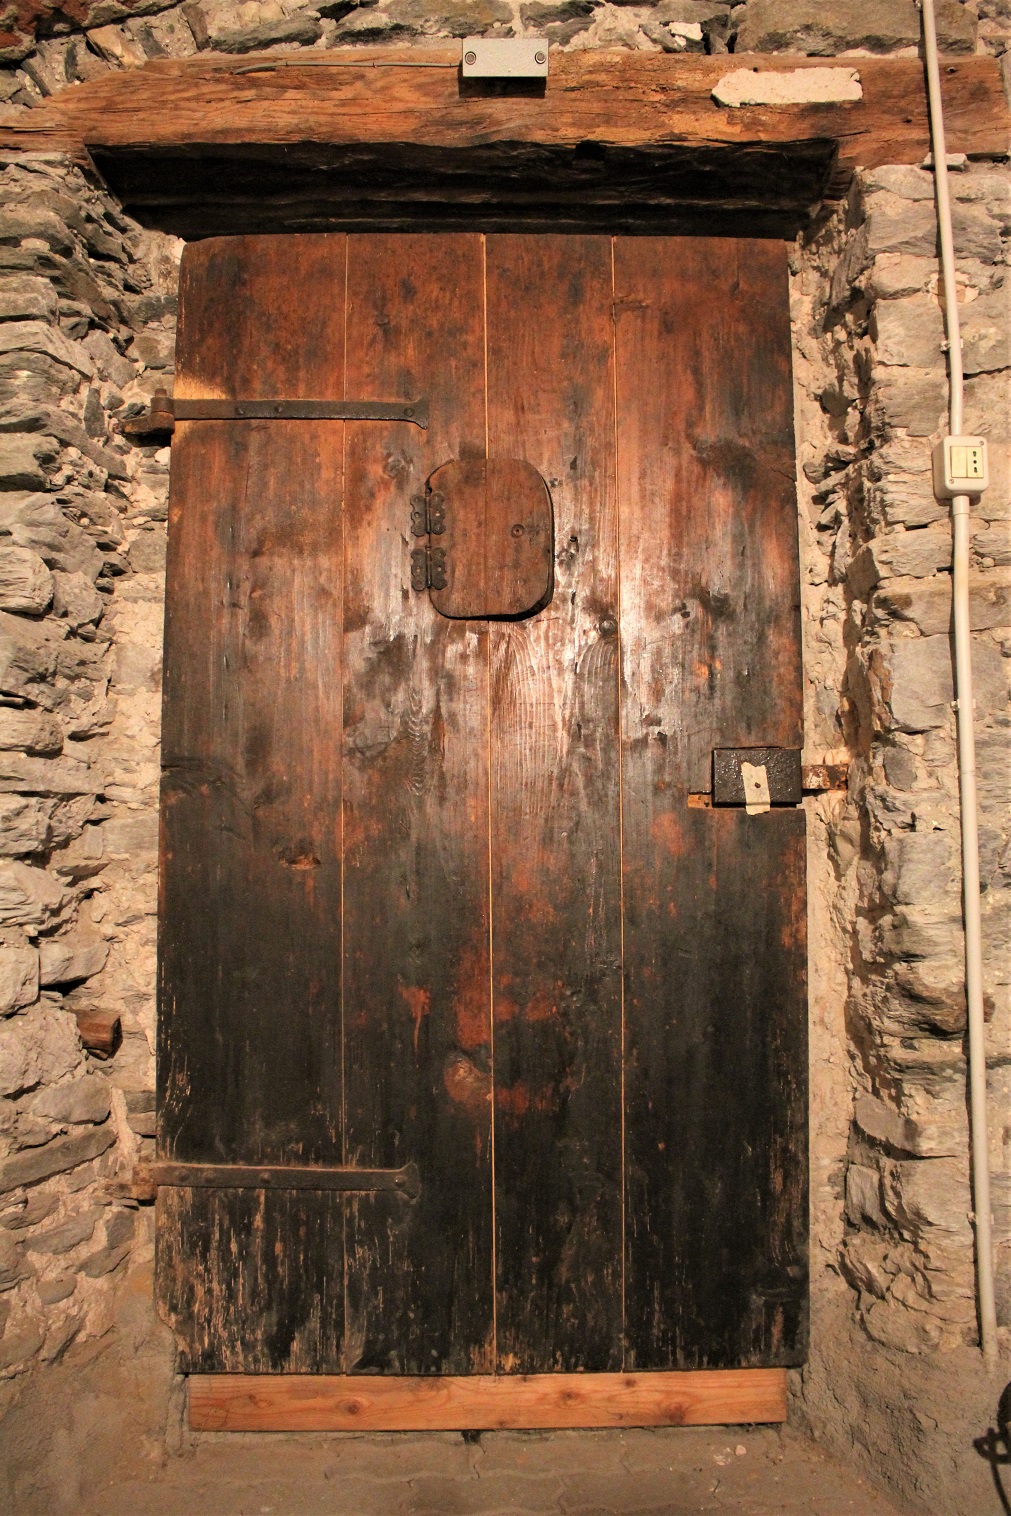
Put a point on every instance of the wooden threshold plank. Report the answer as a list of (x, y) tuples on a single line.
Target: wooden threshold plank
[(366, 1403)]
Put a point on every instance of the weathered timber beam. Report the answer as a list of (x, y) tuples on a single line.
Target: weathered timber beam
[(301, 141), (623, 99)]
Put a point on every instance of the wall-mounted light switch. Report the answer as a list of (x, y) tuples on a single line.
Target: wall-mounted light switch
[(960, 467)]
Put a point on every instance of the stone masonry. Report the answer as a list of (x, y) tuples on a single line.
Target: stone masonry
[(87, 303)]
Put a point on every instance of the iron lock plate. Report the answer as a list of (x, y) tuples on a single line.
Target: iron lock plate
[(782, 767)]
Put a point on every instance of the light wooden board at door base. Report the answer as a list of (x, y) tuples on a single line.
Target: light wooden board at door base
[(483, 1402)]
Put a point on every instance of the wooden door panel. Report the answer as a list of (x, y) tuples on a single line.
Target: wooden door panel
[(249, 1040), (408, 859), (715, 1012), (417, 993), (716, 1093), (554, 794)]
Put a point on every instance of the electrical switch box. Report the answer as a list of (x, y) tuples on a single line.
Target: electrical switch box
[(960, 467), (504, 58)]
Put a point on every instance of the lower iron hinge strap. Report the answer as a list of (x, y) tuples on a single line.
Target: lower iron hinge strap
[(148, 1178)]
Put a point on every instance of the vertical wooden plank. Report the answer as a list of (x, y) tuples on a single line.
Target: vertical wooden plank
[(555, 823), (417, 1014), (715, 1011), (249, 1040)]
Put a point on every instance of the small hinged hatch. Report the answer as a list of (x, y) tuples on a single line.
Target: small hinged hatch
[(489, 539)]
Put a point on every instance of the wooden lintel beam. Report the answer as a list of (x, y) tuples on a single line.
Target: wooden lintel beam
[(623, 140), (621, 99), (371, 1403)]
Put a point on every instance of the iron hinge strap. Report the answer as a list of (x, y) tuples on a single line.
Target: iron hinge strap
[(166, 410), (150, 1177)]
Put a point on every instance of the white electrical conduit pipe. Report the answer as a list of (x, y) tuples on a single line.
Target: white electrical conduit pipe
[(966, 737)]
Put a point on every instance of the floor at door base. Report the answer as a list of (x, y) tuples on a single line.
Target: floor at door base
[(367, 1403)]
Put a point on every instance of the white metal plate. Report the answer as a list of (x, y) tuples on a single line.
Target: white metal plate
[(504, 58)]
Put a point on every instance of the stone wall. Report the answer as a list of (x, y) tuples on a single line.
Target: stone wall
[(86, 335), (86, 303)]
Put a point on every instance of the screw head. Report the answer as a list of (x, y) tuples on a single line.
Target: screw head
[(517, 530), (540, 58), (470, 59)]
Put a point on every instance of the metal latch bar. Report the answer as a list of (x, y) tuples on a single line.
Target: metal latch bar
[(150, 1177)]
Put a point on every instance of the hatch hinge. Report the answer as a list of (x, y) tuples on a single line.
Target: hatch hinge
[(428, 563)]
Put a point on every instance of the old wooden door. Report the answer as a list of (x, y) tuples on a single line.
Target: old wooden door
[(454, 893)]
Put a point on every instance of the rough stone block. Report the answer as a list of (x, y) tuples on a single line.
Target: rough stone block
[(900, 179), (20, 1344), (57, 1157), (448, 18), (35, 520), (23, 337), (19, 978), (893, 275), (37, 1047), (24, 298), (46, 776), (147, 553), (24, 825), (248, 28), (105, 1260), (821, 30), (921, 686), (19, 223), (76, 600), (863, 1195), (988, 414), (27, 656), (116, 45), (919, 867), (929, 1124), (993, 768), (107, 358), (913, 399), (895, 224), (52, 1291), (25, 583), (29, 731), (929, 1193), (994, 543), (916, 554), (66, 1235), (928, 603), (23, 461), (29, 896), (65, 960)]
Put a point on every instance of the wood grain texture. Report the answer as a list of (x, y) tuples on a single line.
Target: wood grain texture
[(706, 458), (599, 96), (498, 539), (200, 145), (715, 1010), (417, 983), (318, 1403), (249, 980), (555, 823)]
